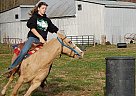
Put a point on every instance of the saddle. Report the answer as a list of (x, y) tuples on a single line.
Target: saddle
[(16, 49), (35, 47)]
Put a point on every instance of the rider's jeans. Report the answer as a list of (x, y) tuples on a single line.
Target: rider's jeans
[(24, 51)]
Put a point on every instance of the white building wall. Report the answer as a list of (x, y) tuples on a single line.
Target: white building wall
[(14, 30), (10, 30), (66, 25), (9, 16), (90, 19), (23, 30), (118, 22)]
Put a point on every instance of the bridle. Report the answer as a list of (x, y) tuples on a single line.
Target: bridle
[(71, 48)]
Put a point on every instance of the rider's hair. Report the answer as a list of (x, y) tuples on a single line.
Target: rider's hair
[(35, 9)]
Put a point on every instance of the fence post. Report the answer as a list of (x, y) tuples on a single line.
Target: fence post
[(76, 40), (0, 37), (82, 41), (94, 40), (88, 41), (71, 38), (120, 76)]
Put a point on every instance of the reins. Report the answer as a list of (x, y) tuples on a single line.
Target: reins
[(72, 49)]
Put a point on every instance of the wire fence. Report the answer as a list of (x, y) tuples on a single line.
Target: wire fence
[(83, 41), (12, 40)]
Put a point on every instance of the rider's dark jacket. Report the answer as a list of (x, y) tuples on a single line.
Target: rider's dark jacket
[(42, 24)]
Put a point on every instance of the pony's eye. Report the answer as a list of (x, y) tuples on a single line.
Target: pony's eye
[(70, 42)]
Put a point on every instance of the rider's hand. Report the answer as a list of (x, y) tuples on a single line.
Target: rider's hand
[(54, 35), (42, 40)]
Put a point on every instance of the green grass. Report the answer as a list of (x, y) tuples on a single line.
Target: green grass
[(73, 77)]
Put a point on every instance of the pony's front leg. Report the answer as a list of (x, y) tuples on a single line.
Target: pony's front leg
[(11, 77), (17, 86), (5, 87)]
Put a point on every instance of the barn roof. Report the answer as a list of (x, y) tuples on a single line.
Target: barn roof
[(61, 8), (111, 3)]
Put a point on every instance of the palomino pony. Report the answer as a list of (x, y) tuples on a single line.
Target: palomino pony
[(35, 68)]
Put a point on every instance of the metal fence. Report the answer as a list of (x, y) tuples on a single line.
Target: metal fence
[(83, 40), (80, 40), (12, 40)]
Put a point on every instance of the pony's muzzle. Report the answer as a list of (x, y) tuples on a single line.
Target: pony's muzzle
[(79, 55)]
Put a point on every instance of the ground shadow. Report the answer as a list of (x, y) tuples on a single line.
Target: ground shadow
[(55, 88)]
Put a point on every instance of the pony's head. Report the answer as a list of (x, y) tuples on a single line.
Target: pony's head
[(68, 47)]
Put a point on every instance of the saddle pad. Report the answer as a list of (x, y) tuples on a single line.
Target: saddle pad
[(17, 50)]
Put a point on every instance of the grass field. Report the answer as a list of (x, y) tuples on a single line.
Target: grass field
[(72, 77)]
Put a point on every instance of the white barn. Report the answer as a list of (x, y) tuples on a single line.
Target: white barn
[(103, 19), (13, 22)]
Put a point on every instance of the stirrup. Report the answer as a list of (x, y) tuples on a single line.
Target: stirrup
[(9, 72)]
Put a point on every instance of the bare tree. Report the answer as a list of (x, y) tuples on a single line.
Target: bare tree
[(9, 4)]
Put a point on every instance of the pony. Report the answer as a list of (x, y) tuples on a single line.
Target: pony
[(36, 67)]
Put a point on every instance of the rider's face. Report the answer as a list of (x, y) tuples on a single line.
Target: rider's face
[(42, 9)]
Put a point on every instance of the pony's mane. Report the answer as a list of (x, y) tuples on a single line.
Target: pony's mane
[(49, 43)]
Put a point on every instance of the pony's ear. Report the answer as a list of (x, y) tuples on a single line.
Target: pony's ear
[(60, 35), (62, 32)]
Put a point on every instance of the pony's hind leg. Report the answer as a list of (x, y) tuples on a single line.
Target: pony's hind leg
[(43, 84), (5, 87), (17, 86), (35, 84)]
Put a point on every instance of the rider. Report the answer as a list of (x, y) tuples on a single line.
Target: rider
[(39, 25)]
